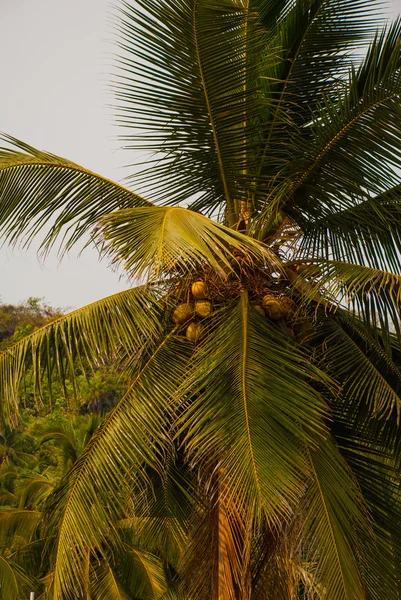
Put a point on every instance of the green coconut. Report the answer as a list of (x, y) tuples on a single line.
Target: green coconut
[(272, 307), (183, 313), (259, 309), (203, 308), (193, 332), (200, 289)]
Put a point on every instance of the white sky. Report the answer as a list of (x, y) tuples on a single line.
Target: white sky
[(53, 71)]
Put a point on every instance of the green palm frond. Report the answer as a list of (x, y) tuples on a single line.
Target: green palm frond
[(352, 150), (14, 583), (156, 241), (41, 192), (130, 437), (334, 523), (161, 518), (203, 126), (366, 373), (252, 400), (105, 585), (18, 524), (372, 295), (315, 39), (123, 320), (143, 573), (366, 232), (375, 471)]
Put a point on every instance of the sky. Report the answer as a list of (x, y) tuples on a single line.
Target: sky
[(56, 58)]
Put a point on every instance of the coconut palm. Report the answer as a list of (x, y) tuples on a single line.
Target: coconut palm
[(256, 453)]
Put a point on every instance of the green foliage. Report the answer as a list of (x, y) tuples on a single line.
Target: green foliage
[(263, 459)]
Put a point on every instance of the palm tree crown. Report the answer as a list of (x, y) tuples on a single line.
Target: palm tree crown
[(256, 453)]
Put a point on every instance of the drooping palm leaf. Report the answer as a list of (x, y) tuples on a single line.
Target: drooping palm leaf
[(43, 193), (156, 241), (333, 524), (99, 329), (249, 406), (131, 436), (366, 374)]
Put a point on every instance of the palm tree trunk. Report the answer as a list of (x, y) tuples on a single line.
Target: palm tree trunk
[(223, 584), (233, 534)]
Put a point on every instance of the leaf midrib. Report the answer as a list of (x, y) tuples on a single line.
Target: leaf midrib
[(230, 206)]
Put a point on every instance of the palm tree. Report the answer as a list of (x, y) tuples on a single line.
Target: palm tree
[(256, 453)]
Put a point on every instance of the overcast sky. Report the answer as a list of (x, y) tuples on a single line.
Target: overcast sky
[(53, 72)]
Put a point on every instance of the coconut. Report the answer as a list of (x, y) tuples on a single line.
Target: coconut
[(259, 309), (183, 313), (272, 306), (193, 332), (200, 289), (203, 308)]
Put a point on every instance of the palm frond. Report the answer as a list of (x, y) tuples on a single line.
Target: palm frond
[(43, 192), (252, 400), (203, 126), (367, 232), (377, 476), (14, 583), (372, 295), (99, 329), (156, 241), (143, 573), (366, 373), (105, 584), (17, 526), (352, 150), (334, 524), (131, 436), (315, 40)]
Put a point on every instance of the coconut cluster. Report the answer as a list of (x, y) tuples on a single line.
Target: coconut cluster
[(270, 294), (195, 311)]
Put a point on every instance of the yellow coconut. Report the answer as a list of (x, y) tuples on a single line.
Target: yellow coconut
[(193, 332), (259, 309), (200, 289), (183, 313), (272, 307), (203, 308)]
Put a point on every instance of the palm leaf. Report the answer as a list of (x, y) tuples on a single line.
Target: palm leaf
[(156, 241), (365, 372), (334, 524), (123, 320), (375, 471), (91, 496), (314, 39), (203, 126), (105, 585), (14, 583), (253, 409), (353, 138), (372, 295), (40, 191), (366, 232), (143, 573)]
